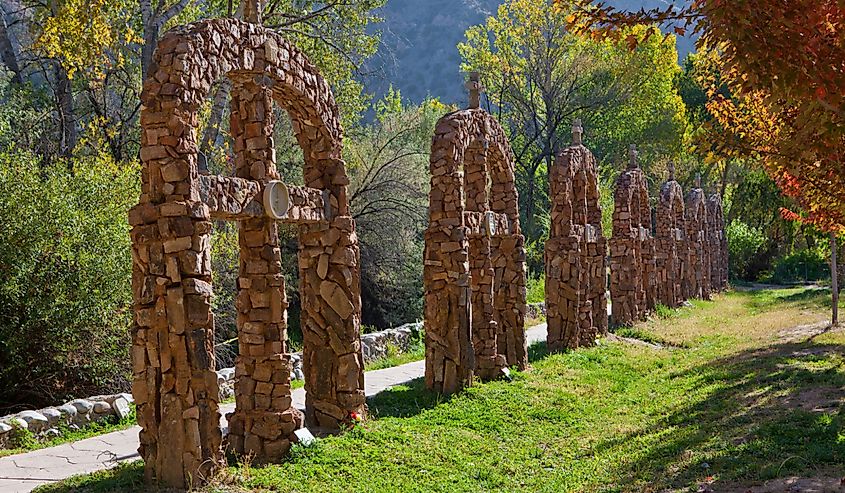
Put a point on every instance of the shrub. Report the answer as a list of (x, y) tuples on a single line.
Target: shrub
[(536, 287), (805, 265), (743, 243), (65, 270)]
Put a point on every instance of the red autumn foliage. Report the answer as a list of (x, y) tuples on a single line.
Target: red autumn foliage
[(783, 63)]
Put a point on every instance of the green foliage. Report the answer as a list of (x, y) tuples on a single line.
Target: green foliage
[(388, 194), (21, 438), (744, 242), (805, 265), (536, 287), (65, 268), (540, 77)]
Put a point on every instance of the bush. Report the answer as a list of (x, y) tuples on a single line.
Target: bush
[(536, 287), (805, 265), (744, 242), (65, 270)]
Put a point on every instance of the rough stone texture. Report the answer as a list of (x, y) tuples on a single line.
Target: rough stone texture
[(576, 265), (474, 270), (42, 422), (175, 385), (632, 255), (717, 242), (671, 246), (697, 275)]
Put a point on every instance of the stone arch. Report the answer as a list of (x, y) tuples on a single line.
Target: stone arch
[(575, 253), (697, 278), (632, 264), (174, 383), (670, 248), (717, 242), (474, 255)]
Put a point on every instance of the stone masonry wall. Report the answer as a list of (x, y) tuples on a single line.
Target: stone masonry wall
[(175, 385), (469, 331), (632, 253), (671, 247), (575, 253)]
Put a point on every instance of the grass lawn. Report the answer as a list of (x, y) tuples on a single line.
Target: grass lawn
[(743, 389)]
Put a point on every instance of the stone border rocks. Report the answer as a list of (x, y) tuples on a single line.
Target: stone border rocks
[(75, 414)]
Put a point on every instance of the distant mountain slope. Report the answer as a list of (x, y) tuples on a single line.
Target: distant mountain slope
[(419, 53)]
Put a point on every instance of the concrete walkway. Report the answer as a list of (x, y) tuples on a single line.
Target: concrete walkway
[(24, 472)]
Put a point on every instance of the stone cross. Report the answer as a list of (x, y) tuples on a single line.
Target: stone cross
[(252, 11), (671, 171), (632, 157), (475, 90), (577, 132)]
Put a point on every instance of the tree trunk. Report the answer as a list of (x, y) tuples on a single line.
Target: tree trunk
[(150, 43), (529, 205), (724, 185), (65, 107), (834, 280), (7, 51)]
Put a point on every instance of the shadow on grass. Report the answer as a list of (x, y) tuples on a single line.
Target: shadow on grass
[(813, 297), (402, 401), (538, 351), (772, 412)]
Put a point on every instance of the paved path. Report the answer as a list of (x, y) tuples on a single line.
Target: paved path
[(24, 472)]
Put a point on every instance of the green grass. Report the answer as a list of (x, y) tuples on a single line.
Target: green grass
[(416, 352), (735, 401), (28, 442)]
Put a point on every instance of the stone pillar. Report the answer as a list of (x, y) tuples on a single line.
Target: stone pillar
[(509, 293), (576, 303), (174, 383), (331, 326), (450, 357), (264, 420), (488, 363)]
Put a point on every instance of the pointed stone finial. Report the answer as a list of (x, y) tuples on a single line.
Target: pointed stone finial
[(475, 90), (698, 180), (252, 11), (577, 132), (632, 157), (671, 171)]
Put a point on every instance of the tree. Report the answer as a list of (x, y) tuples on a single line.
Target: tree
[(784, 65), (540, 76), (388, 195)]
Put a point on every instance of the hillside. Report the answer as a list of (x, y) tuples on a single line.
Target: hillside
[(419, 52)]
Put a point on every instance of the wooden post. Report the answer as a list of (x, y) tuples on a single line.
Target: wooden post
[(834, 279)]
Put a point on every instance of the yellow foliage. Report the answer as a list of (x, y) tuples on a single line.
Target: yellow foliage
[(87, 35)]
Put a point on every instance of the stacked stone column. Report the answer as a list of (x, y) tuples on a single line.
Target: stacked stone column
[(174, 383), (264, 420), (488, 363), (576, 303), (698, 267), (717, 244), (507, 254), (474, 318), (449, 354), (671, 245), (632, 256)]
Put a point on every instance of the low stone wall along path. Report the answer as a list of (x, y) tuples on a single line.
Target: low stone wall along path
[(24, 472)]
